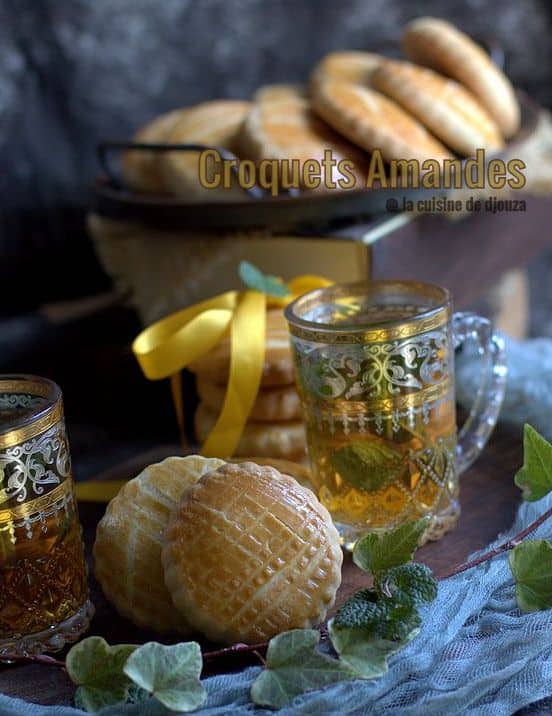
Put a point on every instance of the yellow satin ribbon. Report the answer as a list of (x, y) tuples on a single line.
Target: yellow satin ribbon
[(173, 343)]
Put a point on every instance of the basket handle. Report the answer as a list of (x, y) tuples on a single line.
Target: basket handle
[(106, 148)]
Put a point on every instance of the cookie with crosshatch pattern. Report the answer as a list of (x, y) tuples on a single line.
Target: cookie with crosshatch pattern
[(250, 553), (127, 551)]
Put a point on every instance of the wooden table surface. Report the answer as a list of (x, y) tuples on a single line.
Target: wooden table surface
[(489, 500)]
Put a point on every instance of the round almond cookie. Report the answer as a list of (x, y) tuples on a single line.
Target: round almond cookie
[(140, 168), (127, 550), (441, 46), (373, 121), (249, 553), (278, 366), (446, 108), (278, 92), (213, 124), (285, 128), (298, 470), (280, 440), (347, 66), (272, 404)]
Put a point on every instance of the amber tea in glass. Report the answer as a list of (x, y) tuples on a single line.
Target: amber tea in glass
[(43, 580), (375, 372)]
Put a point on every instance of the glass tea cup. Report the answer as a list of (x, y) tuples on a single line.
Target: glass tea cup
[(374, 365), (43, 578)]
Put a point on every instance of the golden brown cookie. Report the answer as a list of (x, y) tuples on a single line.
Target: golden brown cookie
[(140, 168), (272, 404), (278, 93), (347, 66), (250, 553), (281, 440), (300, 471), (286, 128), (373, 121), (211, 124), (278, 365), (127, 551), (446, 108), (441, 46)]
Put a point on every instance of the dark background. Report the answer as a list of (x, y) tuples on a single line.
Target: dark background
[(76, 71)]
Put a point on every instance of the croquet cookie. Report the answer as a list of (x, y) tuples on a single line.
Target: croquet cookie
[(272, 404), (285, 128), (278, 364), (250, 553), (212, 124), (279, 440), (127, 550), (444, 106), (347, 66), (374, 121), (441, 46), (140, 168)]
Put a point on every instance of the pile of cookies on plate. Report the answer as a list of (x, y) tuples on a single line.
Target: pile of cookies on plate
[(274, 427), (238, 552), (446, 99)]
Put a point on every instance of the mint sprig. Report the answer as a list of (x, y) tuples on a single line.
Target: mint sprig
[(254, 278), (376, 552)]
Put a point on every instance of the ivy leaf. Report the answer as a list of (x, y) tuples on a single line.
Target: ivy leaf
[(294, 666), (377, 552), (170, 673), (365, 652), (366, 465), (97, 670), (535, 477), (258, 281), (531, 565)]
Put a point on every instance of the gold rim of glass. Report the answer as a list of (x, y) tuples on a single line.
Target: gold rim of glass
[(425, 318), (33, 416)]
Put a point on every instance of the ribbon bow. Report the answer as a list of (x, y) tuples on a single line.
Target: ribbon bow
[(173, 343)]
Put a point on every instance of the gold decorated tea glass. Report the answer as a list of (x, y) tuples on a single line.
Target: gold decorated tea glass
[(375, 372), (43, 579)]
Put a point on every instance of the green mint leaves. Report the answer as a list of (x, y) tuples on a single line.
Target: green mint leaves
[(535, 477), (377, 552), (365, 465), (97, 670), (375, 623), (253, 278), (294, 666), (107, 675), (169, 673)]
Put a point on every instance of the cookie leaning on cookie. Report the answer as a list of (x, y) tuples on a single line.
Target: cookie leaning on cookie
[(249, 554), (347, 66), (213, 124), (127, 550), (446, 108), (373, 121), (281, 125), (441, 46)]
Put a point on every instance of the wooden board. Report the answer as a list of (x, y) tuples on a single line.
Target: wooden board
[(489, 500)]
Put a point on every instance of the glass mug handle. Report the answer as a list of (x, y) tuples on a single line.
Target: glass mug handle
[(484, 412)]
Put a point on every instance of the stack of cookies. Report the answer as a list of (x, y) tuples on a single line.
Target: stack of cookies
[(446, 99), (274, 428)]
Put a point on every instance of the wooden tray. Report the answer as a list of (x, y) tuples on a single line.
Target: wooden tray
[(489, 500)]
